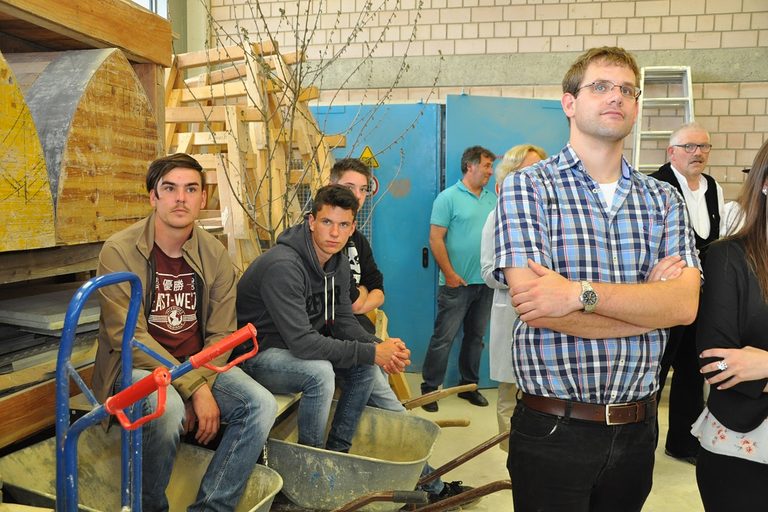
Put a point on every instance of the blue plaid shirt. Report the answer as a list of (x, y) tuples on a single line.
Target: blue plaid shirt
[(555, 214)]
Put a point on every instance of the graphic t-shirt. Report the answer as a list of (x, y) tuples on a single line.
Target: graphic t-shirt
[(173, 317)]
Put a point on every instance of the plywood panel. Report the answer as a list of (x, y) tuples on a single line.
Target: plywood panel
[(99, 134), (26, 208)]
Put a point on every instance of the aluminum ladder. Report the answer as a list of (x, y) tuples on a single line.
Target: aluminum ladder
[(676, 82)]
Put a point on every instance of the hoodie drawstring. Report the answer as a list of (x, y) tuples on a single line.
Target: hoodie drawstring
[(329, 322)]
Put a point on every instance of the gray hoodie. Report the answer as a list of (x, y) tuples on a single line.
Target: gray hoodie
[(296, 304)]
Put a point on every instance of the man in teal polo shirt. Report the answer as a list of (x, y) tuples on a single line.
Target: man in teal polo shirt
[(456, 225)]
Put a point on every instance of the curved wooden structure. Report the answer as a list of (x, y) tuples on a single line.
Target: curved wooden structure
[(26, 208), (98, 134)]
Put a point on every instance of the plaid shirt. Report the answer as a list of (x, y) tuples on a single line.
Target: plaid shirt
[(555, 214)]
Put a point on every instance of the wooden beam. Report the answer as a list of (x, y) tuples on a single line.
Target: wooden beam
[(100, 24), (202, 114), (18, 266), (309, 93), (222, 55), (29, 411), (336, 140)]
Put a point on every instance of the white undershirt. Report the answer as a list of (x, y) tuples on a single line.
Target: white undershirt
[(696, 204), (609, 190)]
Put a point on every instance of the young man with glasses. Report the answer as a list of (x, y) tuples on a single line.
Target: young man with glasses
[(688, 153), (600, 262)]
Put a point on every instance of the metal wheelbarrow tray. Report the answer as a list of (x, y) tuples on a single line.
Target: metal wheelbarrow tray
[(29, 475), (388, 453)]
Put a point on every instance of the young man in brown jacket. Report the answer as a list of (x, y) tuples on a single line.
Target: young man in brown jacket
[(189, 288)]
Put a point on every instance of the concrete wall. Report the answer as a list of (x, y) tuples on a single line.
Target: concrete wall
[(521, 48)]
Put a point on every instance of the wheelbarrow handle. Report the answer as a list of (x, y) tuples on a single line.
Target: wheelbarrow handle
[(226, 344), (158, 381)]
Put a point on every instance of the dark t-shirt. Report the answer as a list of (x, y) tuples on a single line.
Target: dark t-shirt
[(173, 317)]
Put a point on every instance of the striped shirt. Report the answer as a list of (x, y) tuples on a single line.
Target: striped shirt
[(555, 214)]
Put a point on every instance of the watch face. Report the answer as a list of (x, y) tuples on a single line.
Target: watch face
[(589, 298)]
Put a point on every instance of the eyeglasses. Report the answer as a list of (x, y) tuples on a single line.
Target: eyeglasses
[(364, 190), (691, 147), (606, 86)]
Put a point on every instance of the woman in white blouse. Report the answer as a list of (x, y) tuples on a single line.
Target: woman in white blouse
[(503, 315)]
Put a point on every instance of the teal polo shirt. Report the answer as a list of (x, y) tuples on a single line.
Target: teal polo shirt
[(463, 214)]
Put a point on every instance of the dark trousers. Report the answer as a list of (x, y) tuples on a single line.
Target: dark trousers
[(730, 484), (563, 465), (686, 394), (467, 307)]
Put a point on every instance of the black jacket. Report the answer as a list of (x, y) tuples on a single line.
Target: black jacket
[(665, 173)]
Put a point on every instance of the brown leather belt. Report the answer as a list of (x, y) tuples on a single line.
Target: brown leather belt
[(611, 414)]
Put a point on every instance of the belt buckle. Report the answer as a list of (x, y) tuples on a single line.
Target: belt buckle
[(608, 408)]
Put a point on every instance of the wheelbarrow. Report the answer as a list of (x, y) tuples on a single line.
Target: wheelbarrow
[(388, 452), (125, 406)]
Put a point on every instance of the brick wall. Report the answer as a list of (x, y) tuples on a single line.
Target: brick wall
[(726, 41)]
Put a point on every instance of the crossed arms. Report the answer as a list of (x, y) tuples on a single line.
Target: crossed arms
[(546, 299)]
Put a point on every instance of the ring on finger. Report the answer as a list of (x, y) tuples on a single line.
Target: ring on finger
[(722, 365), (662, 279)]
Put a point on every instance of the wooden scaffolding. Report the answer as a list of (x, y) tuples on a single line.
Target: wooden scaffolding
[(247, 121)]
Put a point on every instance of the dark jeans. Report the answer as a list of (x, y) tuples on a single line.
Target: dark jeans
[(686, 391), (468, 306), (565, 465), (728, 484)]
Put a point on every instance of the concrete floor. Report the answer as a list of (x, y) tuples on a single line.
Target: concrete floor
[(674, 488)]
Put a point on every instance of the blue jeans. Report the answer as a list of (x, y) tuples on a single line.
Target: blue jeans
[(249, 411), (469, 306), (382, 396), (281, 372), (563, 465)]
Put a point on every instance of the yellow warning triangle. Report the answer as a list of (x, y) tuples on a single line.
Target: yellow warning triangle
[(368, 159)]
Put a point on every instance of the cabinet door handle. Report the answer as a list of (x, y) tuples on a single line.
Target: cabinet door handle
[(424, 257)]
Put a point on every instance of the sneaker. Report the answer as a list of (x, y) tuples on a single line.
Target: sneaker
[(430, 407), (451, 489), (474, 397)]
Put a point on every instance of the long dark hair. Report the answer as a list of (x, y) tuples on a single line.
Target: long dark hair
[(754, 231)]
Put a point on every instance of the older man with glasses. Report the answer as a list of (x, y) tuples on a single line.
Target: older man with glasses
[(688, 153)]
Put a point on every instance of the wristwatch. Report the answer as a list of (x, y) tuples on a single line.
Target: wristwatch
[(588, 297)]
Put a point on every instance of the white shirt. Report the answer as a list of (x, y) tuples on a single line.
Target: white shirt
[(696, 204), (503, 315)]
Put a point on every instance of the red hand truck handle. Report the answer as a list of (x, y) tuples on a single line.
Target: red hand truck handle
[(224, 345), (158, 381)]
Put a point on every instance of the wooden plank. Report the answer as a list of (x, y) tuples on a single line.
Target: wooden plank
[(222, 55), (309, 93), (29, 411), (294, 57), (202, 114), (212, 92), (23, 266), (174, 100), (185, 140), (99, 24), (337, 140)]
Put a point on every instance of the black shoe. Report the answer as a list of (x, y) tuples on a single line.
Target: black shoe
[(451, 489), (430, 407), (474, 397), (690, 459)]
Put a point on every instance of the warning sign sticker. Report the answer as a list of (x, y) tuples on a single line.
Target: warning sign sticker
[(368, 159)]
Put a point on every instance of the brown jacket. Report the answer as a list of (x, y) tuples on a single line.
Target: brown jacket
[(129, 250)]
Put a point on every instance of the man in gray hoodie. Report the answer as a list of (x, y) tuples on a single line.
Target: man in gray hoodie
[(297, 296)]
